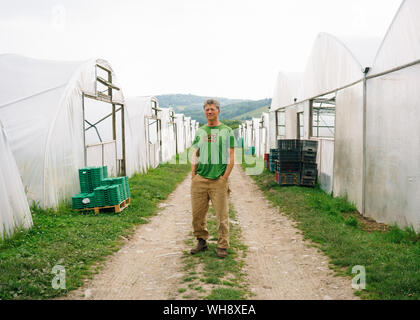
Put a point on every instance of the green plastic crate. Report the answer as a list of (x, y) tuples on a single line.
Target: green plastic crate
[(108, 195), (90, 178), (83, 201), (122, 182)]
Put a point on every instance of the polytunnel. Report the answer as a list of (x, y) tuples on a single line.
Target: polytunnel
[(332, 111), (180, 132), (45, 111), (136, 135), (14, 213), (392, 123), (166, 116), (144, 134)]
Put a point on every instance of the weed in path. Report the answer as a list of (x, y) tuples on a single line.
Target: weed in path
[(215, 278)]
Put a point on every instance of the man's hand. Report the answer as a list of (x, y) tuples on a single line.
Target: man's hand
[(194, 163), (229, 167)]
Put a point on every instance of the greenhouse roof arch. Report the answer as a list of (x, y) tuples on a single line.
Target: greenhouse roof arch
[(337, 62), (41, 107), (288, 88), (401, 44)]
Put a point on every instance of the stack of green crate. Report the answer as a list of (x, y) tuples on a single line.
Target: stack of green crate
[(105, 172), (127, 185), (97, 190), (122, 182), (90, 178), (108, 195), (83, 201)]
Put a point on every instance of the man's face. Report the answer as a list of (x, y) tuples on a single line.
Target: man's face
[(211, 112)]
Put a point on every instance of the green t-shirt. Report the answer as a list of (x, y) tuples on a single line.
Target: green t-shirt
[(213, 144)]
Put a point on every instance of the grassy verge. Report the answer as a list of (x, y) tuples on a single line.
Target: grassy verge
[(390, 255), (78, 241), (213, 278)]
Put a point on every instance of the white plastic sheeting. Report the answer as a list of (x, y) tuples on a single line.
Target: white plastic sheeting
[(41, 110), (401, 44), (142, 135), (14, 213), (135, 136), (180, 127), (393, 131), (188, 130), (335, 63), (262, 139), (325, 160), (168, 134), (288, 88)]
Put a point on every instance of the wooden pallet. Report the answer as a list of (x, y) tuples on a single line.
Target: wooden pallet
[(117, 208)]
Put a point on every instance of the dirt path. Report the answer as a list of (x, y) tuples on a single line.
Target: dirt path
[(149, 265), (280, 265)]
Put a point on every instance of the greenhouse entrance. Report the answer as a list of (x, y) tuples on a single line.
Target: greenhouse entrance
[(104, 126)]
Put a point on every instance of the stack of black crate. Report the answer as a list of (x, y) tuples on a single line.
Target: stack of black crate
[(309, 172), (296, 164), (288, 165)]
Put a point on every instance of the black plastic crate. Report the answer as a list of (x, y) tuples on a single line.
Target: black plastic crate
[(309, 169), (288, 166), (288, 179), (289, 144), (309, 156), (288, 155), (310, 172), (310, 145), (308, 181)]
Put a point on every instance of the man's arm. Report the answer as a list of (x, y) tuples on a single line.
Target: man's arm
[(194, 162), (231, 163)]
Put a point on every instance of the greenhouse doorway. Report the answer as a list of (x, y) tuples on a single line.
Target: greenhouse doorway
[(103, 119)]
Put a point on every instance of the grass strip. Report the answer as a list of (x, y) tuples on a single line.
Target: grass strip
[(391, 256), (78, 241), (213, 278)]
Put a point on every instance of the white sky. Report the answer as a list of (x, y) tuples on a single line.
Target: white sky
[(228, 48)]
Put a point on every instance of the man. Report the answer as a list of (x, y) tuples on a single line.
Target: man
[(212, 163)]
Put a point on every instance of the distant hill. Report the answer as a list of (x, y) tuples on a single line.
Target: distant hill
[(232, 109), (245, 110), (252, 114)]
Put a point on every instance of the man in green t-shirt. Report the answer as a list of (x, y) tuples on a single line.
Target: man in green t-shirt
[(212, 163)]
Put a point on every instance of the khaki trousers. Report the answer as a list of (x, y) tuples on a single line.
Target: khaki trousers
[(203, 190)]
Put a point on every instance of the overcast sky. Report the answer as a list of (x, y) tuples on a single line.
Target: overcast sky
[(228, 48)]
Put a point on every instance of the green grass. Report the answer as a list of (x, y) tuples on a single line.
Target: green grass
[(225, 276), (77, 241), (391, 258)]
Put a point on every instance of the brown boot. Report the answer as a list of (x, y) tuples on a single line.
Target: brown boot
[(221, 253), (201, 246)]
